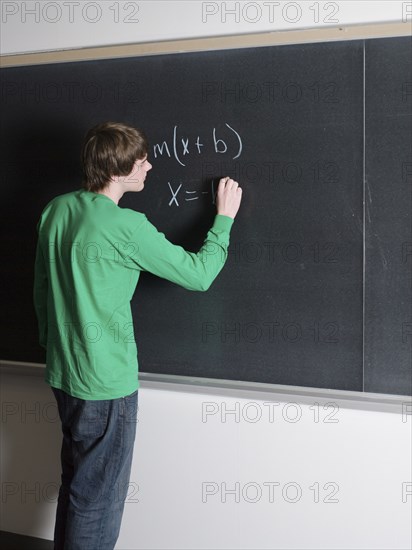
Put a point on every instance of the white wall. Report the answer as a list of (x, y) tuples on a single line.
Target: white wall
[(38, 25), (191, 468), (280, 472), (365, 456)]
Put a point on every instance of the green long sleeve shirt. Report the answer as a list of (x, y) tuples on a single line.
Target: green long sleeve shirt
[(90, 253)]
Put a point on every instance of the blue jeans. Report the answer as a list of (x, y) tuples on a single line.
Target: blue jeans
[(96, 456)]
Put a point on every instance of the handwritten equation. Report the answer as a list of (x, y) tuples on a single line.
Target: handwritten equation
[(188, 196), (179, 147)]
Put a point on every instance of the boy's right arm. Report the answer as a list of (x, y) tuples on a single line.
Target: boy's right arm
[(190, 270)]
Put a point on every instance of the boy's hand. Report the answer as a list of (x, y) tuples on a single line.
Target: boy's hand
[(229, 195)]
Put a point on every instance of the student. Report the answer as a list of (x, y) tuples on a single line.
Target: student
[(90, 253)]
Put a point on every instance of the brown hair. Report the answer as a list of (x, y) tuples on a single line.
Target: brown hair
[(110, 149)]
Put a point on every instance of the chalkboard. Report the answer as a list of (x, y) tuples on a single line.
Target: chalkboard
[(316, 291)]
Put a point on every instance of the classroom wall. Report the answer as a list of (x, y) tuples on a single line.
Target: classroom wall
[(28, 26), (281, 470), (227, 469)]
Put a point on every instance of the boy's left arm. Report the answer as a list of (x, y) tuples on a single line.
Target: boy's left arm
[(40, 290)]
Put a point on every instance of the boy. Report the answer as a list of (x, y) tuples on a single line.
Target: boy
[(90, 253)]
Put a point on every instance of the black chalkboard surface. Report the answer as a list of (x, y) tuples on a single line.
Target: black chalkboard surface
[(317, 288)]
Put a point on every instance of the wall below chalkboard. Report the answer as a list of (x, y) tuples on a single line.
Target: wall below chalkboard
[(316, 291)]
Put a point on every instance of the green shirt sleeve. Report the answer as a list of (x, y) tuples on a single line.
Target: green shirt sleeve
[(40, 289), (193, 271)]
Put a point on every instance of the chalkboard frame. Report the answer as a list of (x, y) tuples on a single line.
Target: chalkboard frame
[(253, 40), (380, 402)]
